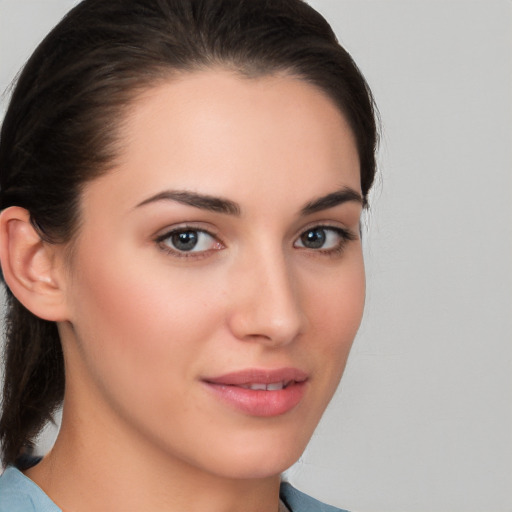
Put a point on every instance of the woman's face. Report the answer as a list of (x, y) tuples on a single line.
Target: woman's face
[(217, 282)]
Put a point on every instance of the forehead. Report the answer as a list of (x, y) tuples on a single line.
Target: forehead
[(222, 134)]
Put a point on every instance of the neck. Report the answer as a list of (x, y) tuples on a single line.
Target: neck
[(90, 468)]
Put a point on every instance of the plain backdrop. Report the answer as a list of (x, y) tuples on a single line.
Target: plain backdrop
[(423, 419)]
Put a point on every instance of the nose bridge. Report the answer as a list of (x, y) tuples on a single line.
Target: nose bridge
[(267, 304)]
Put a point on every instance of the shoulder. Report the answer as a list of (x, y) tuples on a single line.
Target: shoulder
[(297, 501), (19, 494)]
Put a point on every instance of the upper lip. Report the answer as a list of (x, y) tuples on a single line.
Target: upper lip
[(260, 376)]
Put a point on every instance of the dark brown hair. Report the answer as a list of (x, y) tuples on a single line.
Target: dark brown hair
[(63, 119)]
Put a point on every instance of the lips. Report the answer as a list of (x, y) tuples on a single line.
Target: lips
[(260, 392)]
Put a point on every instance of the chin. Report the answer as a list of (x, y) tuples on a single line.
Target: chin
[(259, 459)]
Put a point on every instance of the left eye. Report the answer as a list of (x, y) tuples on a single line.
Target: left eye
[(189, 240), (325, 238)]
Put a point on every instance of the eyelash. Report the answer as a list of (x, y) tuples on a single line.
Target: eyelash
[(344, 235)]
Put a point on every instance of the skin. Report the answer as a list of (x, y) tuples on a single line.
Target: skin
[(141, 325)]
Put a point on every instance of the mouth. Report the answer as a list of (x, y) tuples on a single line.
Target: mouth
[(258, 392)]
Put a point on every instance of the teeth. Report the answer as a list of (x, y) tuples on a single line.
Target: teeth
[(257, 387), (274, 386)]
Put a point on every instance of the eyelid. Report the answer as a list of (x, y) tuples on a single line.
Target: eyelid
[(328, 224), (205, 227)]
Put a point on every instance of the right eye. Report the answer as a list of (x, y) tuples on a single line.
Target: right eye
[(185, 241), (324, 239)]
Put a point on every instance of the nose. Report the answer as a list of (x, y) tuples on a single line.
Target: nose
[(266, 304)]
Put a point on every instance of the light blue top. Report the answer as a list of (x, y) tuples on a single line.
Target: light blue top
[(20, 494)]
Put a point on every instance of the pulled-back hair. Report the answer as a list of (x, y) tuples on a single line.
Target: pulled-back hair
[(62, 126)]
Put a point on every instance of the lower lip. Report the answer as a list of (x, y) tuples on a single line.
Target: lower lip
[(260, 402)]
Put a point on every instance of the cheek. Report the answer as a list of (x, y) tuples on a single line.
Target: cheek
[(135, 324), (335, 313)]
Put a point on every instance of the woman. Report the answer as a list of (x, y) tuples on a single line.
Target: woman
[(181, 188)]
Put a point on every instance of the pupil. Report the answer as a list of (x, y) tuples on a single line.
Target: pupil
[(314, 239), (185, 241)]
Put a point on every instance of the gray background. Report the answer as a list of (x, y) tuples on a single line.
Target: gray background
[(423, 419)]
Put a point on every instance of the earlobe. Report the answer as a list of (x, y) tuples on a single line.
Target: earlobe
[(31, 267)]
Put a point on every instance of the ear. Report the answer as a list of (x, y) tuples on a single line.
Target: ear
[(32, 269)]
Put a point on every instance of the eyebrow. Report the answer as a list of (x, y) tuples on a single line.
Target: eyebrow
[(331, 200), (228, 207), (202, 201)]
